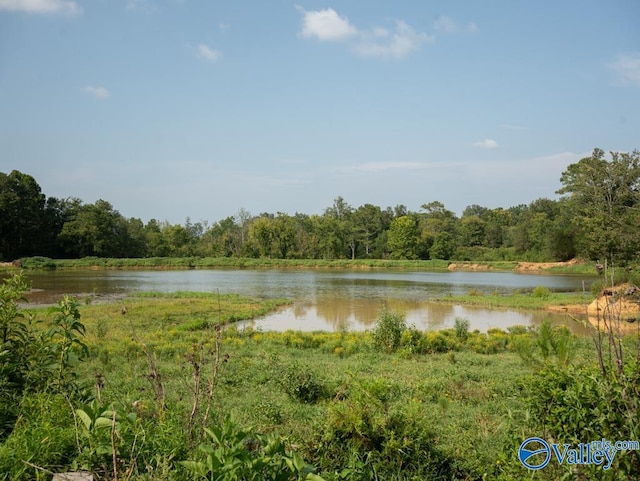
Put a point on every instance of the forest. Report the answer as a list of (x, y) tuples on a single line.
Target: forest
[(596, 216)]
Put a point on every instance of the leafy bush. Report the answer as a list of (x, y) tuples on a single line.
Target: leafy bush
[(371, 437), (575, 405), (31, 359), (233, 453), (461, 327), (387, 334), (302, 384), (541, 292), (439, 342), (37, 262)]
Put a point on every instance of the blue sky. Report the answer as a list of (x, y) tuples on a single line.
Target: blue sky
[(176, 108)]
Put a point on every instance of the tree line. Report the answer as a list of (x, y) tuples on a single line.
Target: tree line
[(597, 217)]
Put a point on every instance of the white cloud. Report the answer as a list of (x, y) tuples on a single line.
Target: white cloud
[(326, 25), (207, 53), (97, 92), (223, 27), (486, 144), (448, 25), (41, 6), (627, 68), (399, 44)]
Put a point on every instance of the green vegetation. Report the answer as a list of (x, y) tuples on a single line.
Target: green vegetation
[(539, 298), (228, 262), (597, 218), (167, 390)]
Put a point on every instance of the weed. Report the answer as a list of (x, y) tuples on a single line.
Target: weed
[(302, 384), (388, 331), (461, 327)]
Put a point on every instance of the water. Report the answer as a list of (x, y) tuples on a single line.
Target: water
[(322, 299)]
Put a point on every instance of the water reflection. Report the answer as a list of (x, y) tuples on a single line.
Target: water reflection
[(361, 315), (323, 299)]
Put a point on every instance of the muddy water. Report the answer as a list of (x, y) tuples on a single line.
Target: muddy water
[(322, 299)]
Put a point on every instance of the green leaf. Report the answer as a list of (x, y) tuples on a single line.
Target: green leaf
[(102, 423), (84, 417), (313, 477), (195, 467)]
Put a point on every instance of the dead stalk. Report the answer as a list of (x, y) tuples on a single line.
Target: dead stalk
[(114, 455)]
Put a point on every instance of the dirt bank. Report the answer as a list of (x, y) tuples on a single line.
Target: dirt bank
[(541, 266), (618, 306), (468, 266)]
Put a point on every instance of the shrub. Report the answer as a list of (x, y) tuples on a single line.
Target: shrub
[(37, 262), (438, 342), (410, 340), (370, 436), (461, 327), (33, 360), (576, 404), (302, 384), (541, 292), (387, 334), (233, 453)]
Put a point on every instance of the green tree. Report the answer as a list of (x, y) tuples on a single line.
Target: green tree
[(437, 223), (443, 246), (284, 236), (471, 231), (403, 236), (339, 229), (225, 238), (179, 241), (22, 211), (261, 236), (604, 196), (367, 226), (95, 230), (155, 243)]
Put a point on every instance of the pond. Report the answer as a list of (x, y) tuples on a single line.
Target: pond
[(322, 299)]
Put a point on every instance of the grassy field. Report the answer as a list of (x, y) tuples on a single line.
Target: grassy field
[(437, 406)]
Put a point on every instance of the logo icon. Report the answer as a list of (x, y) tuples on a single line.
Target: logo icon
[(534, 453)]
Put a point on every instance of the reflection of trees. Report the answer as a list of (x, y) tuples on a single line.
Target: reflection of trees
[(436, 315), (341, 312), (346, 313), (300, 309)]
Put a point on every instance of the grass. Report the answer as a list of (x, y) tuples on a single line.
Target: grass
[(224, 262), (518, 300), (443, 406)]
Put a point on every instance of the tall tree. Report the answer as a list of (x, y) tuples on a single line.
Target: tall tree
[(437, 223), (367, 226), (22, 211), (403, 236), (605, 198), (95, 230)]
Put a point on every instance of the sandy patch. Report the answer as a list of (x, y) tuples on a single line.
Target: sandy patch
[(540, 266)]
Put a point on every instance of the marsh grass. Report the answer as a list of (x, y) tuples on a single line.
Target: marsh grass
[(530, 300), (444, 406)]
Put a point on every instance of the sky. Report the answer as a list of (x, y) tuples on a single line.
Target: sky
[(171, 109)]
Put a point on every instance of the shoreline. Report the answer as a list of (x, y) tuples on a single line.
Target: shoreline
[(573, 266)]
